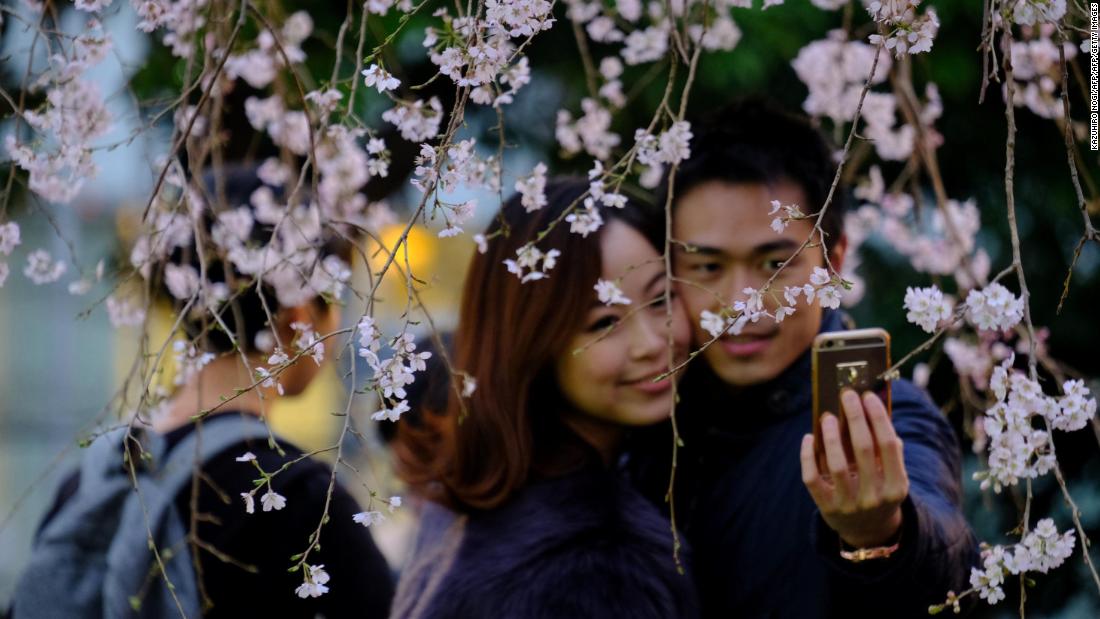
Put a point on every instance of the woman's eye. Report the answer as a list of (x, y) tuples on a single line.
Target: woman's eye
[(604, 322)]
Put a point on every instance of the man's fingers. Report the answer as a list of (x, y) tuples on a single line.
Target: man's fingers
[(863, 446), (895, 481), (811, 477), (835, 459)]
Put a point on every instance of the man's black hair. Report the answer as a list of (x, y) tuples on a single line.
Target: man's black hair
[(753, 140)]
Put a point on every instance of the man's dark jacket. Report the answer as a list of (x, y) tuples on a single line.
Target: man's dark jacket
[(760, 546)]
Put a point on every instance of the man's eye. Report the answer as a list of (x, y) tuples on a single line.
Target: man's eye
[(705, 268), (774, 264)]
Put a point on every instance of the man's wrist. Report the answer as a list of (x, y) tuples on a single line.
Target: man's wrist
[(870, 539)]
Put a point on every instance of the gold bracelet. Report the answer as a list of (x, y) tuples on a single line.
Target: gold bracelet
[(863, 554)]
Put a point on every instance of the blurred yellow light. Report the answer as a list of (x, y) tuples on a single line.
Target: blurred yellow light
[(421, 244)]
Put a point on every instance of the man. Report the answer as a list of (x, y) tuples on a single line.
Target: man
[(766, 527)]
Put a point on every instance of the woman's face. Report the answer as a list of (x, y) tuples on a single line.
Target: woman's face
[(611, 378)]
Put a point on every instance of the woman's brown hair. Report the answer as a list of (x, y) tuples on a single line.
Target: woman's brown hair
[(509, 334)]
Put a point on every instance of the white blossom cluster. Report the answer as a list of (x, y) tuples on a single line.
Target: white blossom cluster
[(10, 238), (1037, 68), (927, 307), (307, 341), (42, 268), (480, 53), (822, 285), (292, 262), (1018, 450), (180, 19), (532, 189), (417, 121), (58, 159), (124, 312), (269, 376), (994, 308), (670, 147), (791, 212), (390, 376), (835, 71), (937, 242), (259, 66), (1032, 12), (314, 585), (590, 133), (189, 361), (906, 32), (1041, 550), (368, 518), (531, 263)]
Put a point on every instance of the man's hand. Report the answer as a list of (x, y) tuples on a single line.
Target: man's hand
[(859, 500)]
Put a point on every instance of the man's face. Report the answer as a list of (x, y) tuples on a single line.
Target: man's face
[(730, 228)]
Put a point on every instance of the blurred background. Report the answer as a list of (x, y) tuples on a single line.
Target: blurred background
[(61, 361)]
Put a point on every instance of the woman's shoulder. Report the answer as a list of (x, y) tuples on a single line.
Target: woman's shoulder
[(585, 544)]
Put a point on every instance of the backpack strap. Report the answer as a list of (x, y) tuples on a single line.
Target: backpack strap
[(153, 510), (205, 442)]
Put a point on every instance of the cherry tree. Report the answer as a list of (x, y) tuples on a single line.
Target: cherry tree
[(350, 109)]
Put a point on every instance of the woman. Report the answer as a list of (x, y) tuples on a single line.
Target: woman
[(242, 538), (530, 516)]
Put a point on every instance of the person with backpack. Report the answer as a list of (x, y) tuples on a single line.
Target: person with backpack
[(225, 519)]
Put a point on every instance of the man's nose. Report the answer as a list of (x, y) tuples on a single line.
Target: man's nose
[(739, 279)]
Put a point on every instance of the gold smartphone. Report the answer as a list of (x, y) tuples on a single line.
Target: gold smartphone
[(843, 359)]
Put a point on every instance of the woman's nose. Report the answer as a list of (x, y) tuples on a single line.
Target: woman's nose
[(649, 334)]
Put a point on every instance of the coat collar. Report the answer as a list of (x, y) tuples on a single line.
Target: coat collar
[(760, 406)]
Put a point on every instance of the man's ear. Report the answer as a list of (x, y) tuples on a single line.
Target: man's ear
[(838, 252)]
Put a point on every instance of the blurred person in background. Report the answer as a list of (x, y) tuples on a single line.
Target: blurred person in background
[(231, 528)]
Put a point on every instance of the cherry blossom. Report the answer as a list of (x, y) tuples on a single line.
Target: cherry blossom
[(124, 312), (380, 79), (306, 340), (189, 361), (609, 293), (42, 268), (314, 585), (645, 45), (532, 189), (416, 121), (994, 308), (391, 414), (1042, 549), (590, 133), (249, 502), (1031, 12), (586, 220), (531, 263), (9, 237), (672, 146), (272, 500), (927, 307), (368, 518)]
